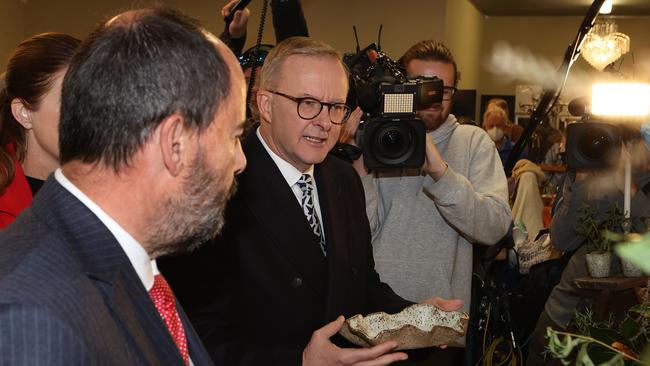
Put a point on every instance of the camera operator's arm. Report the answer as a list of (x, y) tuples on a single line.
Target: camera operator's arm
[(234, 35), (348, 136), (288, 19), (476, 205), (565, 218)]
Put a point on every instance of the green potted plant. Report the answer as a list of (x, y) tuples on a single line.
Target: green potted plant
[(598, 236), (611, 342)]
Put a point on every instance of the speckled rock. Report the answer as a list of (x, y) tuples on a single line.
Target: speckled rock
[(417, 326)]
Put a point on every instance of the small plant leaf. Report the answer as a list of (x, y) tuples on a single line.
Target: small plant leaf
[(629, 328), (583, 357), (617, 360)]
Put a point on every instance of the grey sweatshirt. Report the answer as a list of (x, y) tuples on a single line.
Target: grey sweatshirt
[(422, 229)]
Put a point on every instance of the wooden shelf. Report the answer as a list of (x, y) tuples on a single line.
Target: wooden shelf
[(552, 168)]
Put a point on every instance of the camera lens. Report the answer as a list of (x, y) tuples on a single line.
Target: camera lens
[(595, 144), (394, 143)]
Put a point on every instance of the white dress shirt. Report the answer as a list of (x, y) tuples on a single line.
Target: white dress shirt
[(144, 266)]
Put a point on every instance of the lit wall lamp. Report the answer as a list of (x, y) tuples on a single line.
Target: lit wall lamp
[(626, 102), (604, 44), (620, 99)]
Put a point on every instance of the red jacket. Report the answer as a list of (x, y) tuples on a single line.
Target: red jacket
[(17, 197)]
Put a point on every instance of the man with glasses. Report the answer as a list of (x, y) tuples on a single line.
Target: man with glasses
[(424, 222), (295, 252)]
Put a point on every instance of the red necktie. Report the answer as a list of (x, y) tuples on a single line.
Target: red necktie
[(162, 296)]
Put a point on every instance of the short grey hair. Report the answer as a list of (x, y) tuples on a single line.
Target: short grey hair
[(302, 46)]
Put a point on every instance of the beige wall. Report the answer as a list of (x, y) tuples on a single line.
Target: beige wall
[(547, 39), (463, 37), (12, 28), (332, 21), (469, 35)]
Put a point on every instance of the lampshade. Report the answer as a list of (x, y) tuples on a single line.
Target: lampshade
[(604, 44)]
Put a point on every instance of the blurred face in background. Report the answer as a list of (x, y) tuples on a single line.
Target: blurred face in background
[(495, 123)]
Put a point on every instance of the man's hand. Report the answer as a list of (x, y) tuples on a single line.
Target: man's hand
[(348, 136), (237, 28), (349, 130), (321, 352), (433, 164), (444, 305)]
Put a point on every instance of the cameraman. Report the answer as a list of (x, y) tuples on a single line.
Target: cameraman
[(425, 222), (600, 190)]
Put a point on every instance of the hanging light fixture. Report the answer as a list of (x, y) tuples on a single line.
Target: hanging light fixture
[(604, 44)]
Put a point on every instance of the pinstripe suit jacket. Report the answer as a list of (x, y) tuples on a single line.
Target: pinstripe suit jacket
[(69, 295)]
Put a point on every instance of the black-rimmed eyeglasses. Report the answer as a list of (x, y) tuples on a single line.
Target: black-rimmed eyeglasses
[(448, 92), (309, 108)]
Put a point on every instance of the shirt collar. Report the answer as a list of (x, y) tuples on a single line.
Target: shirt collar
[(289, 172), (144, 266)]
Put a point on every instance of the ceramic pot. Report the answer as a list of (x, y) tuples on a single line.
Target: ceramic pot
[(599, 264), (630, 270)]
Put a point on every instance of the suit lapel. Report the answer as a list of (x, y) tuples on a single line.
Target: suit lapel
[(198, 354), (106, 264), (265, 191), (336, 222), (131, 307)]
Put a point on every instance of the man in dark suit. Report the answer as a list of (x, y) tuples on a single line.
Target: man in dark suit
[(295, 253), (151, 113)]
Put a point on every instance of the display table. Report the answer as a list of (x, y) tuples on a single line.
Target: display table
[(610, 294)]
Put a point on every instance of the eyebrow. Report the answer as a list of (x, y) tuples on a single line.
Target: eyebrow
[(336, 101)]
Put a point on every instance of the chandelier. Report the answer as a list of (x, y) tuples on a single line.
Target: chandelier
[(604, 44)]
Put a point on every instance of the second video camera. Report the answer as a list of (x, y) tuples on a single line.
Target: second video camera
[(391, 136)]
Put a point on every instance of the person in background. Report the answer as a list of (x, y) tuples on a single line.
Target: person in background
[(152, 111), (495, 123), (512, 130), (288, 21), (601, 190), (30, 96), (425, 221)]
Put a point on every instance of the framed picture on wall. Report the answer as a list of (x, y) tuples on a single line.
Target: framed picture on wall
[(464, 107)]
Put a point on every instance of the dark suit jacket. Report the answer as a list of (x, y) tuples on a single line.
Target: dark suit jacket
[(256, 294), (69, 295)]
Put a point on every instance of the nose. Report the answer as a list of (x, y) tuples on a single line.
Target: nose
[(240, 162), (323, 119)]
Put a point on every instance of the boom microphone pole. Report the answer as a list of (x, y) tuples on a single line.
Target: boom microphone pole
[(549, 97)]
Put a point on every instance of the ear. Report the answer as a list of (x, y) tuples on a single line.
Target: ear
[(21, 113), (264, 105), (173, 142)]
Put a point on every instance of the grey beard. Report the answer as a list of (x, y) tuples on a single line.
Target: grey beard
[(193, 219)]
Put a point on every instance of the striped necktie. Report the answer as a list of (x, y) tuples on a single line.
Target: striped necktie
[(306, 185)]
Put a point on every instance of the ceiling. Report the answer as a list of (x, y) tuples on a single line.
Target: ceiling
[(556, 7)]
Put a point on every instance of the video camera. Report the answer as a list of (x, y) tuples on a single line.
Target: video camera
[(390, 135), (597, 145)]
